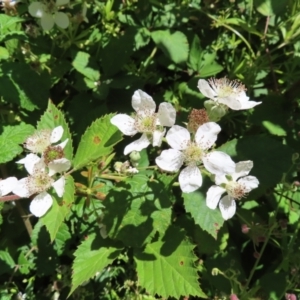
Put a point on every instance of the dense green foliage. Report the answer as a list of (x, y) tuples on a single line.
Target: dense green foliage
[(115, 235)]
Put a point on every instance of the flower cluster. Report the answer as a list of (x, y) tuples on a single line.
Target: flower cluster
[(192, 152), (45, 161)]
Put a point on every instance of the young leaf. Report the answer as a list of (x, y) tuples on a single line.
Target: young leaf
[(174, 45), (52, 118), (169, 258), (92, 256), (97, 141), (54, 218), (208, 219)]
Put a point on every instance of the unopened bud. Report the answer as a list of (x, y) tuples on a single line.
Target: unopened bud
[(215, 271), (256, 254), (215, 111), (233, 297), (290, 297), (245, 229), (118, 166), (135, 157)]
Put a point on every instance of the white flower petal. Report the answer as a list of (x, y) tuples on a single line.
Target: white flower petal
[(170, 160), (242, 169), (61, 2), (218, 163), (30, 161), (251, 182), (190, 179), (207, 134), (206, 89), (63, 144), (178, 137), (7, 185), (246, 104), (59, 186), (125, 124), (157, 137), (37, 9), (219, 179), (40, 204), (227, 207), (59, 166), (21, 188), (141, 101), (56, 134), (166, 114), (138, 145), (61, 20), (47, 21), (232, 102), (213, 196)]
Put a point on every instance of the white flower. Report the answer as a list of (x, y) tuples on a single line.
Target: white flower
[(236, 189), (42, 139), (49, 14), (32, 161), (39, 182), (145, 121), (224, 91), (193, 154), (7, 185)]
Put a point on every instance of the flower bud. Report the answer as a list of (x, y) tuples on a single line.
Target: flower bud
[(215, 111), (135, 157), (290, 297), (118, 166), (215, 271), (233, 297), (245, 229)]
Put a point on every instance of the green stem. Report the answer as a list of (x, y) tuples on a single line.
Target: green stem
[(260, 255)]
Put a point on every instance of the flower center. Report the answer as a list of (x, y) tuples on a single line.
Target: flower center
[(193, 154), (196, 118), (52, 153), (225, 87), (236, 190), (39, 141), (39, 182), (145, 123)]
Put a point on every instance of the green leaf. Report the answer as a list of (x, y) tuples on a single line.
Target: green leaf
[(4, 54), (52, 118), (10, 139), (174, 45), (194, 61), (29, 94), (7, 23), (6, 262), (54, 218), (127, 218), (208, 219), (97, 141), (118, 51), (172, 257), (92, 256), (84, 64), (270, 7)]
